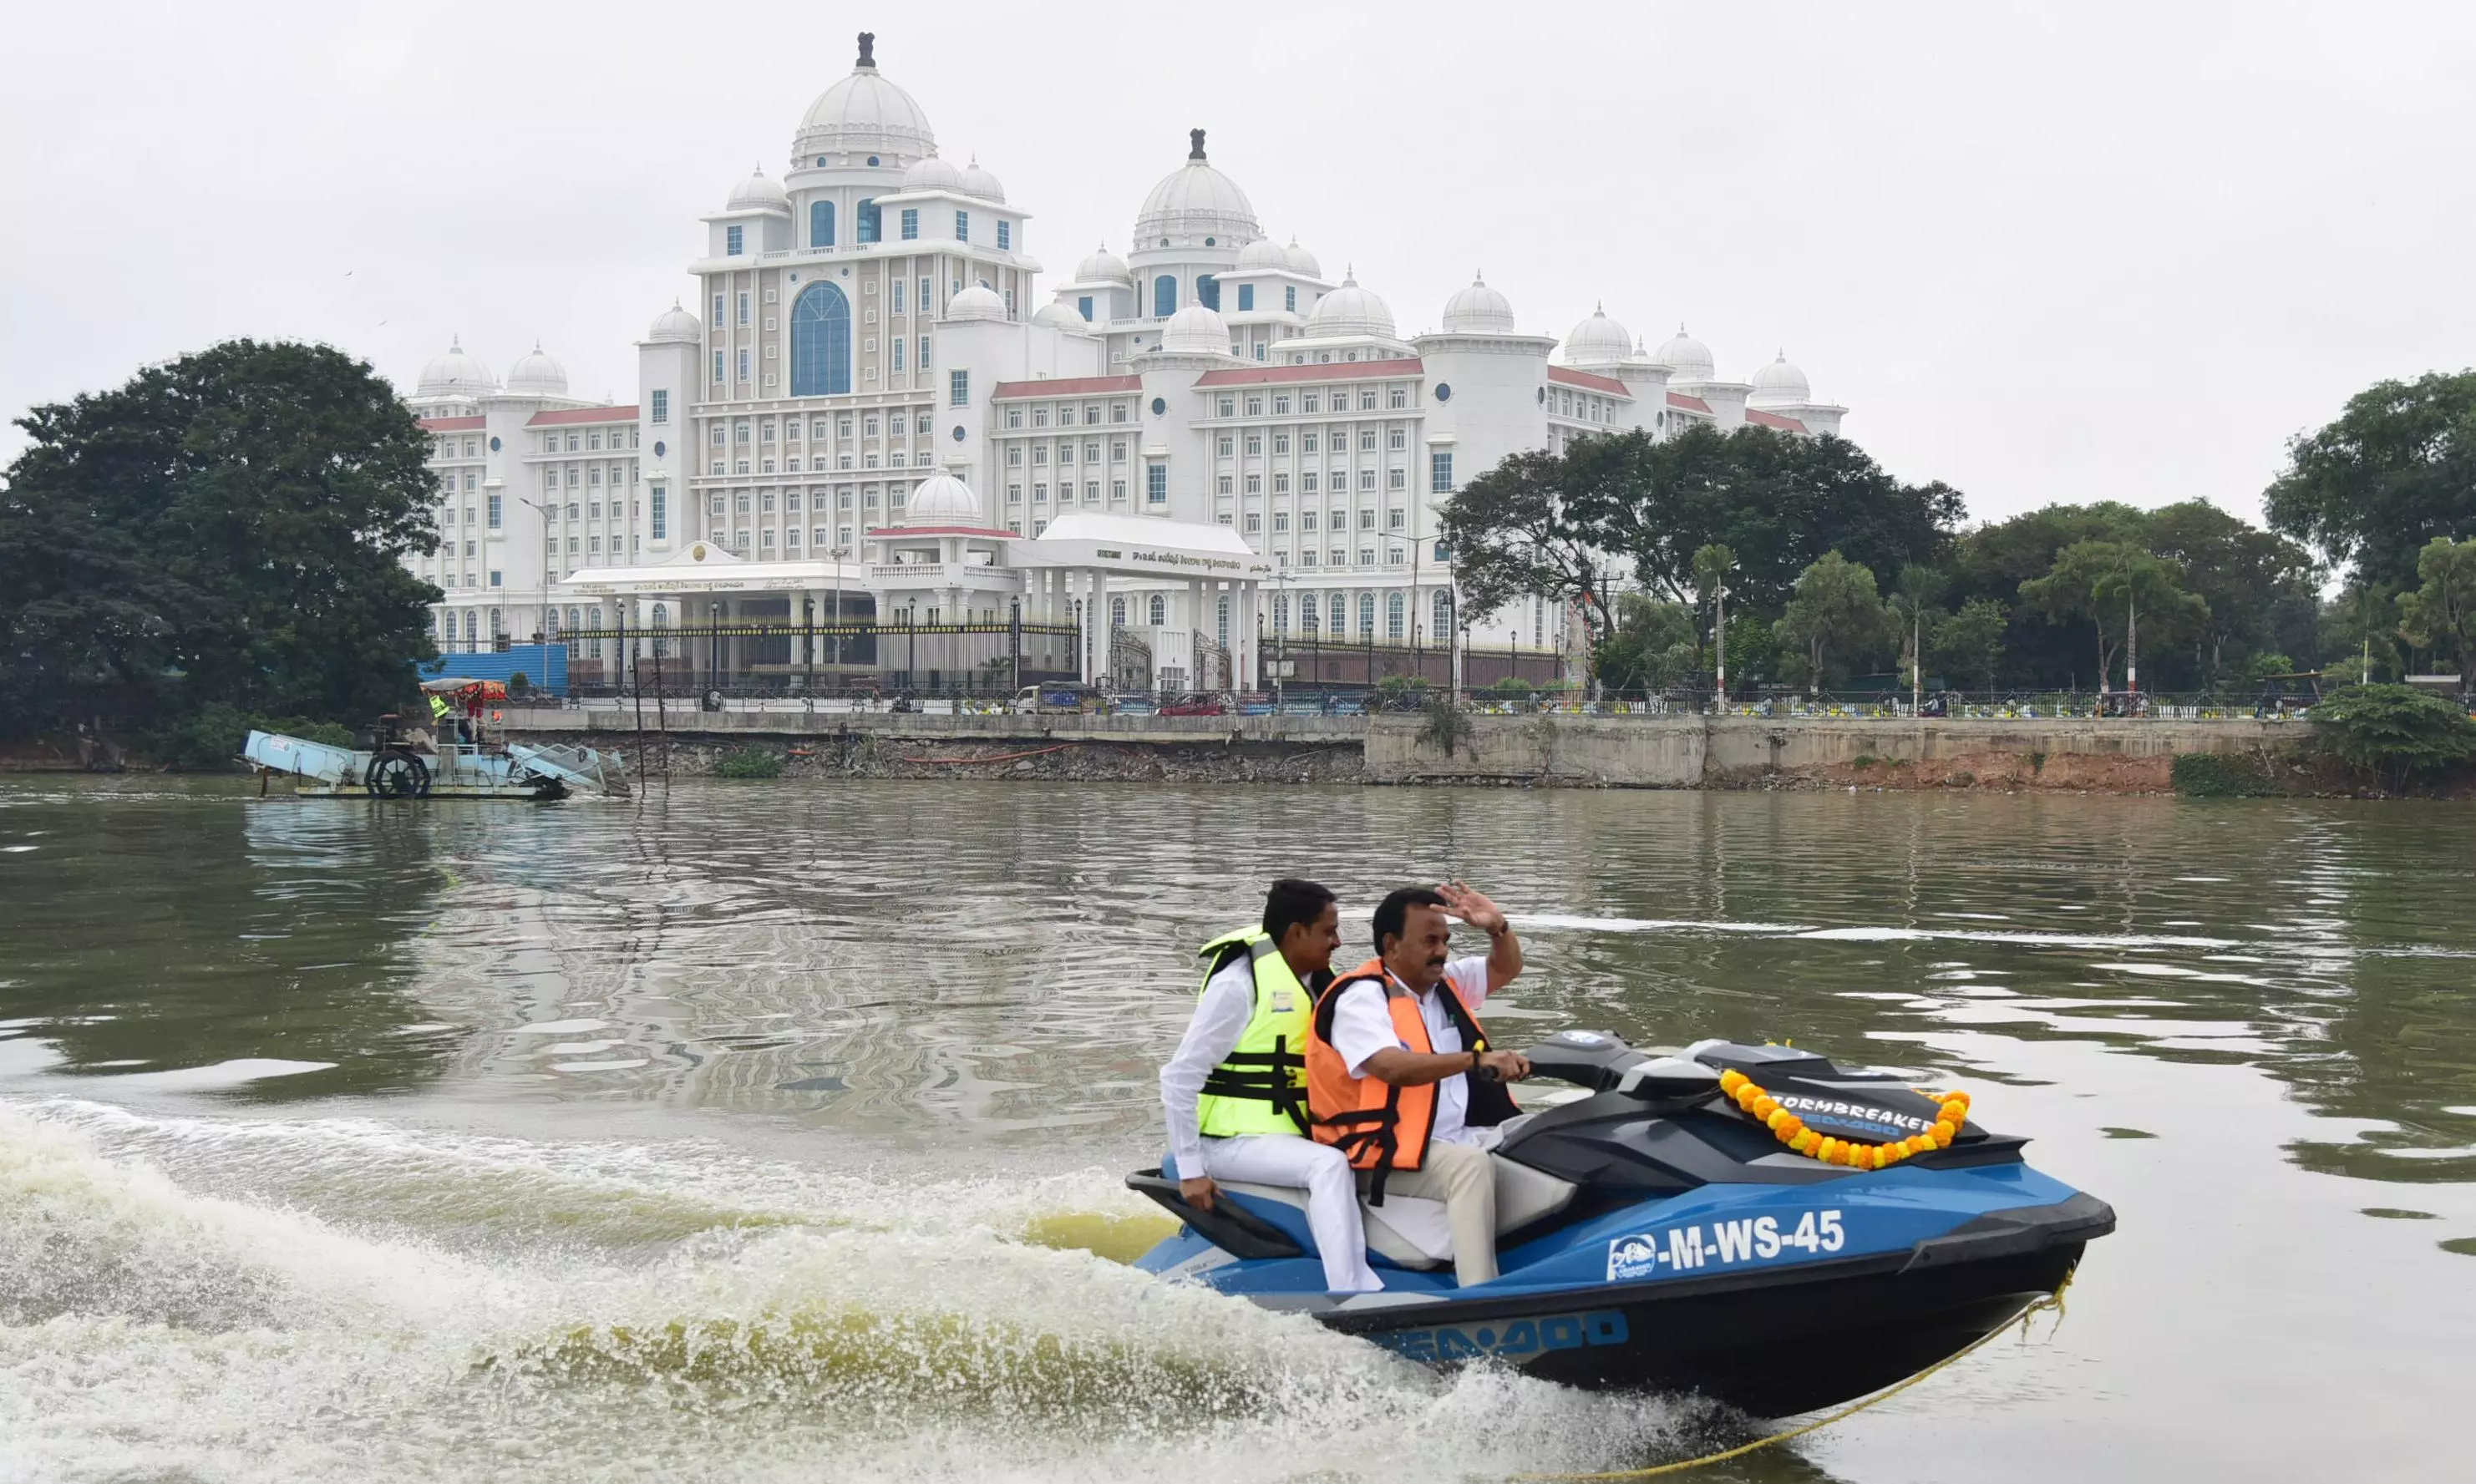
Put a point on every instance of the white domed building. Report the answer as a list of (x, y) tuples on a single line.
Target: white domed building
[(1172, 462)]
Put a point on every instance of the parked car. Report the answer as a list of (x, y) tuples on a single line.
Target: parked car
[(1057, 698), (1197, 704)]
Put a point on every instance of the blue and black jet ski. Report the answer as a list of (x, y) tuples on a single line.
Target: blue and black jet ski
[(1654, 1236)]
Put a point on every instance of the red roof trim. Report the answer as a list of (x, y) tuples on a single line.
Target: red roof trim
[(1572, 377), (1678, 399), (583, 415), (1336, 371), (1761, 419), (1069, 386), (454, 424)]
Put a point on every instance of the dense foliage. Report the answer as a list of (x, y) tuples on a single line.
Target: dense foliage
[(2395, 732), (749, 762), (228, 529)]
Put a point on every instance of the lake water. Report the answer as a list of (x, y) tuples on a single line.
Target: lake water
[(774, 1131)]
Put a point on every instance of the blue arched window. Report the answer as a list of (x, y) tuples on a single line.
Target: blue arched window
[(1396, 606), (1117, 612), (821, 342), (1207, 291), (1444, 613), (821, 224), (868, 223), (1366, 615), (1160, 611), (1164, 296)]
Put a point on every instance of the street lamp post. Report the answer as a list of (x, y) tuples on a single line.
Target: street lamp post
[(1719, 601), (542, 620)]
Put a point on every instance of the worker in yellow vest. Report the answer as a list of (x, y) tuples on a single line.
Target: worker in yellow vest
[(1235, 1092)]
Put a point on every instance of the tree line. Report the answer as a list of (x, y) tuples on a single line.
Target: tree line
[(1829, 570)]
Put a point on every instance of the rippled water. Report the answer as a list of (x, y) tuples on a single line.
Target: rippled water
[(774, 1131)]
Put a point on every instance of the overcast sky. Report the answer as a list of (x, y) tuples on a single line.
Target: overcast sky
[(2048, 253)]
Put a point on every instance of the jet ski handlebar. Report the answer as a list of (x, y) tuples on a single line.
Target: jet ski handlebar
[(1604, 1063)]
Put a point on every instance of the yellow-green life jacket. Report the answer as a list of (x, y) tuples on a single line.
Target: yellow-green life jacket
[(1260, 1087)]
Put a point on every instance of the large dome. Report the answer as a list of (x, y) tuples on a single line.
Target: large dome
[(1195, 331), (942, 500), (978, 302), (1351, 311), (1263, 255), (1303, 261), (1598, 340), (1479, 310), (455, 374), (1194, 200), (979, 182), (1780, 385), (1686, 358), (675, 325), (1057, 316), (932, 172), (863, 114), (536, 376), (1103, 266), (759, 194)]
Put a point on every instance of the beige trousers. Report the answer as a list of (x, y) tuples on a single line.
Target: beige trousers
[(1463, 1177)]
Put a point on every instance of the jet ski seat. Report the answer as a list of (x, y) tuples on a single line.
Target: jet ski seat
[(1410, 1232)]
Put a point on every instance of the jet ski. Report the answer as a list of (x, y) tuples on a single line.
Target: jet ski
[(1653, 1234)]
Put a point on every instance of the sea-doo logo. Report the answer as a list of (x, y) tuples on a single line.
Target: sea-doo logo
[(1632, 1258), (1514, 1340)]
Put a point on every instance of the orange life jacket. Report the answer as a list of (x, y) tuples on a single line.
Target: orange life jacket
[(1380, 1126)]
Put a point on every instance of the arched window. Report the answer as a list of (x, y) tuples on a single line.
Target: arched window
[(1366, 615), (1340, 615), (821, 342), (821, 224), (1444, 613), (661, 621), (1395, 607), (1223, 621), (1160, 611), (498, 624), (868, 222), (1307, 615), (1165, 296), (1117, 612), (472, 626), (549, 625), (1207, 291), (1281, 613)]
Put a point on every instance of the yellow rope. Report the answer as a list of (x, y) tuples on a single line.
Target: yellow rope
[(2053, 1301)]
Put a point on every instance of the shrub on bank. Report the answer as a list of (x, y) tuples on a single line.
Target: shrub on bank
[(749, 762), (2221, 776), (211, 740), (2395, 732)]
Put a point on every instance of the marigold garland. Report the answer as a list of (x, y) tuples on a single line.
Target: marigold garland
[(1791, 1130)]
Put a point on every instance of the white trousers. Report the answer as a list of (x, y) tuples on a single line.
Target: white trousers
[(1323, 1172)]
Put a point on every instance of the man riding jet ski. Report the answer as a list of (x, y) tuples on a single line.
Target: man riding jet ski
[(1754, 1222)]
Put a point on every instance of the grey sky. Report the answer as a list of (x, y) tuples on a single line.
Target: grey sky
[(2060, 253)]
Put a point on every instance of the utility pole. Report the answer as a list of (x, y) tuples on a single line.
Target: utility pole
[(1719, 601), (1917, 657), (2131, 649)]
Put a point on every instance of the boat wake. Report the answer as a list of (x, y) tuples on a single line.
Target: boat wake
[(234, 1298)]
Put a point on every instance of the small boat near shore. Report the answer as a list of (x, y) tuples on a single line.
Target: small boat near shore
[(460, 760)]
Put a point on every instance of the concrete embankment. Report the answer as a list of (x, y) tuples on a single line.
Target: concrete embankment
[(1556, 750)]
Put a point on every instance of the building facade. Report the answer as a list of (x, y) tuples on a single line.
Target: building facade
[(869, 322)]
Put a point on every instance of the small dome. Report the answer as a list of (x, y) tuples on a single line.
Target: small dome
[(1058, 316), (759, 194), (1350, 310), (1303, 261), (1103, 266), (1196, 200), (978, 182), (1195, 331), (978, 302), (1261, 254), (862, 114), (1598, 340), (1479, 310), (675, 325), (1686, 358), (455, 374), (942, 500), (932, 173), (1780, 385), (536, 376)]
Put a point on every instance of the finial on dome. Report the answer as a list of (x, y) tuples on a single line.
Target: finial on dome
[(1783, 353), (867, 49), (1195, 147), (1600, 307)]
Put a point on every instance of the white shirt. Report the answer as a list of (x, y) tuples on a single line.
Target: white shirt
[(1221, 1018), (1362, 1027)]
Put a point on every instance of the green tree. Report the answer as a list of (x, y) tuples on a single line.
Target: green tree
[(2113, 585), (1652, 648), (1913, 608), (2395, 470), (229, 527), (1713, 565), (2395, 732), (2440, 615), (1994, 560), (1531, 527), (1836, 612), (2259, 585), (1970, 643)]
